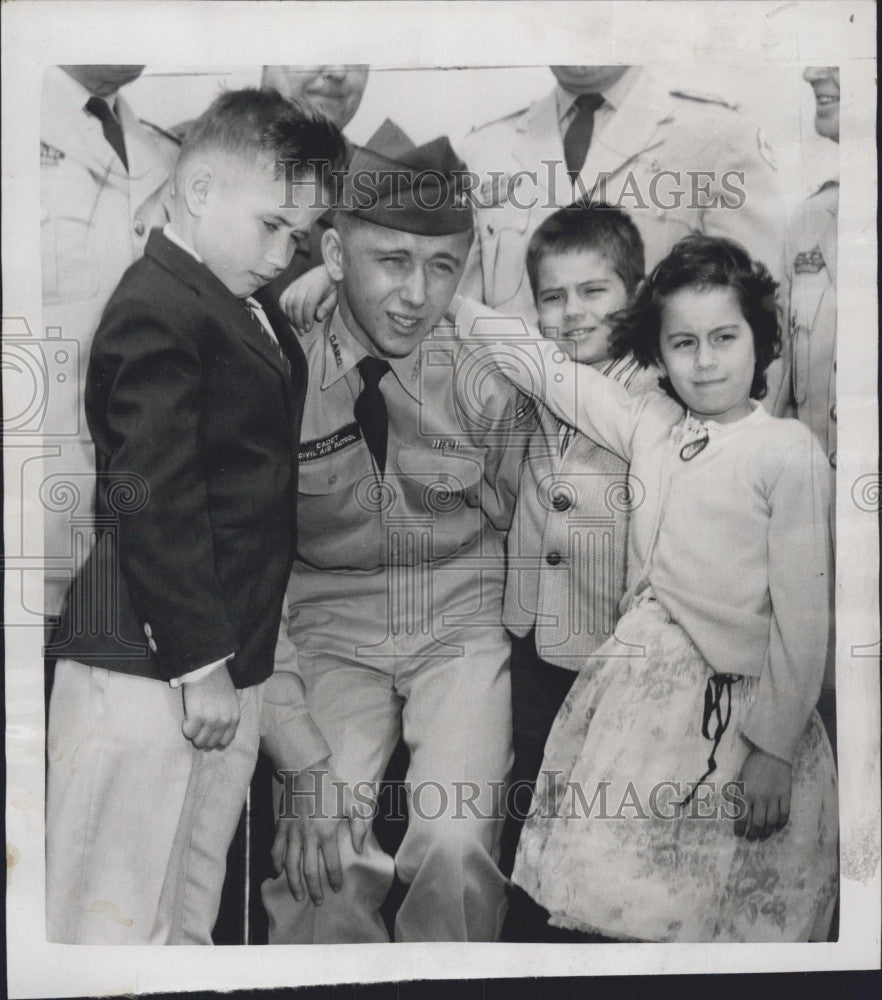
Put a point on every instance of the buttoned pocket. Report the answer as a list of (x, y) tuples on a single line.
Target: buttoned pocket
[(447, 479), (335, 472)]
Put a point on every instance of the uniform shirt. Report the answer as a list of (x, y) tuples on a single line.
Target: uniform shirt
[(734, 540), (95, 220), (808, 389), (452, 462), (650, 142)]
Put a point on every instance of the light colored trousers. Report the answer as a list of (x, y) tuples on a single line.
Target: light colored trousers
[(138, 821), (440, 679)]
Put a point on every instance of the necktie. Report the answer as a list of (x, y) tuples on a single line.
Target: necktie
[(111, 127), (578, 136), (370, 410), (253, 312)]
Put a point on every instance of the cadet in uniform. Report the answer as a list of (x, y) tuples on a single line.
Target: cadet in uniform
[(103, 175), (673, 159), (408, 474)]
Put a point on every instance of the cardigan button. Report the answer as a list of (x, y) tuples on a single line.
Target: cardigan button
[(833, 459), (560, 501), (553, 558), (833, 412), (139, 227)]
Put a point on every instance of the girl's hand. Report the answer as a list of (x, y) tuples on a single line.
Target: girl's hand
[(767, 784), (309, 299)]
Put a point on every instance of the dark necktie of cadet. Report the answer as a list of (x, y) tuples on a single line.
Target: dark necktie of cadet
[(370, 410), (113, 132), (578, 135)]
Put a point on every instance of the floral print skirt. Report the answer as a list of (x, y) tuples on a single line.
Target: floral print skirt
[(609, 847)]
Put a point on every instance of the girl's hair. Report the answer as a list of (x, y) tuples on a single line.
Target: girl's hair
[(703, 262)]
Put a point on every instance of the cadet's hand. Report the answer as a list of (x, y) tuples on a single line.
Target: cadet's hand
[(767, 784), (307, 844), (211, 710), (311, 298)]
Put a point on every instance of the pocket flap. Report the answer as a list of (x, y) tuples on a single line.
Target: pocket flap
[(453, 471)]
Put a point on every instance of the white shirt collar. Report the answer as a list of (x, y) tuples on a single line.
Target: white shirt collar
[(613, 95), (173, 237)]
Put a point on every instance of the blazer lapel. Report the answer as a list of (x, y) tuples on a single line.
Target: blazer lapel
[(288, 341), (237, 316)]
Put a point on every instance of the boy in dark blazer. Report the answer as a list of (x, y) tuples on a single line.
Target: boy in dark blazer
[(194, 398)]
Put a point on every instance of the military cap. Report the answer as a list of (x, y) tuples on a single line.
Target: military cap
[(414, 189)]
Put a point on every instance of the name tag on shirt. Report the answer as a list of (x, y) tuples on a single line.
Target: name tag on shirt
[(321, 447)]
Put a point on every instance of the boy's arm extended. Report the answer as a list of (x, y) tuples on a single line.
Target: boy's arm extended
[(597, 406)]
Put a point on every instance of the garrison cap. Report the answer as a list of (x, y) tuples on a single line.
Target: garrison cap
[(414, 189)]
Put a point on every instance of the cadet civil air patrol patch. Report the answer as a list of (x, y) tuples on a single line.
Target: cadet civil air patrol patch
[(322, 447), (809, 262)]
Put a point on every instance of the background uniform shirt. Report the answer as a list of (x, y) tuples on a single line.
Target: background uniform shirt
[(95, 220), (654, 129)]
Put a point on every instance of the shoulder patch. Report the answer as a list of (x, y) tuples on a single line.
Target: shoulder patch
[(809, 261), (175, 136), (497, 121), (704, 98), (49, 155)]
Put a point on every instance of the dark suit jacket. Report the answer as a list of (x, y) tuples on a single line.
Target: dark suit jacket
[(196, 424)]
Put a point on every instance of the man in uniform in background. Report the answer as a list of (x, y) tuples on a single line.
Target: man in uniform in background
[(336, 92), (103, 175), (408, 472), (808, 389), (676, 160)]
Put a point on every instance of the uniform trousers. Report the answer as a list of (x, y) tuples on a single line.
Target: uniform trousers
[(418, 653), (138, 821)]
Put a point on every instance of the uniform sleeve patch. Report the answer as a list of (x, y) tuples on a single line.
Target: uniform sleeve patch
[(322, 447), (809, 262)]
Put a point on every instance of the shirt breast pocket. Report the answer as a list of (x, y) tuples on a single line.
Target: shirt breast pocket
[(441, 483)]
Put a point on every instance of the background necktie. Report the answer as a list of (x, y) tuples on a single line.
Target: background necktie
[(370, 410), (113, 132), (578, 136)]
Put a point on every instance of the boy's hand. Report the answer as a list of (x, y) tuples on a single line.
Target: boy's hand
[(211, 710), (311, 298), (767, 785), (307, 844)]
